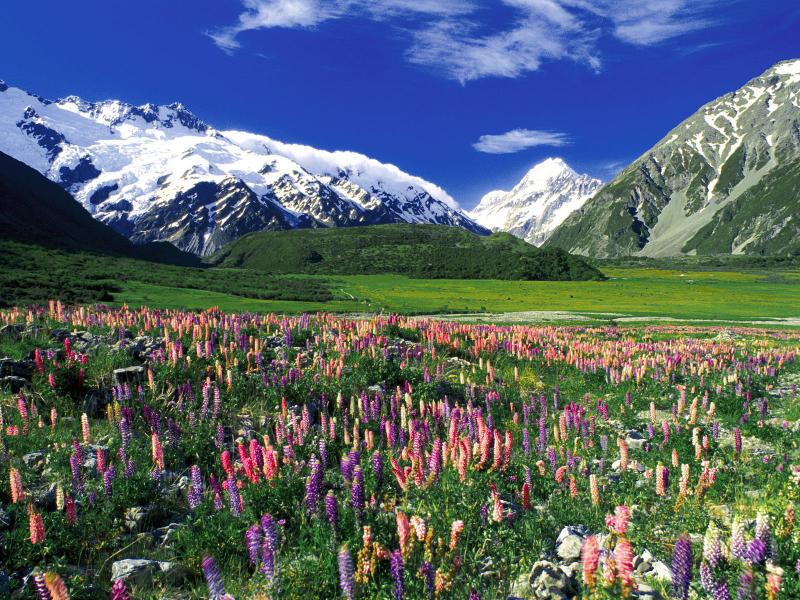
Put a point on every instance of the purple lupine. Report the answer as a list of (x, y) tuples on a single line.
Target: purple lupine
[(332, 510), (108, 477), (234, 498), (473, 595), (323, 453), (125, 432), (314, 486), (41, 589), (216, 589), (357, 493), (738, 545), (746, 590), (398, 570), (268, 561), (377, 467), (756, 551), (130, 468), (682, 567), (526, 442), (429, 577), (270, 530), (253, 538), (219, 439), (720, 590), (346, 579), (119, 591), (75, 462)]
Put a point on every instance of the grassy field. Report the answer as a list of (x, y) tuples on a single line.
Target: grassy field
[(718, 295)]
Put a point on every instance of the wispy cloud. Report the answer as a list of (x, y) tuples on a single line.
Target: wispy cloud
[(459, 39), (519, 139)]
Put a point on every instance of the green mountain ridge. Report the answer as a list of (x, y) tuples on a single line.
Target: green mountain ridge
[(421, 251)]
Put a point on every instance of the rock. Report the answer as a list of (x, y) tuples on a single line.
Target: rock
[(46, 498), (13, 331), (570, 542), (14, 384), (16, 368), (164, 536), (34, 460), (5, 519), (95, 401), (130, 375), (661, 571), (645, 592), (548, 582), (635, 440), (139, 571), (139, 518)]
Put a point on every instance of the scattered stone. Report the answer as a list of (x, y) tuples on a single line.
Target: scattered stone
[(34, 460), (549, 582), (5, 519), (635, 440), (130, 375), (139, 571), (570, 542)]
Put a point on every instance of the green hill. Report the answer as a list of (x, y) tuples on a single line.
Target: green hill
[(421, 251)]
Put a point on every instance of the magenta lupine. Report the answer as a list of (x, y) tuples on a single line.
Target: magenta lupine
[(346, 579), (398, 571), (682, 567), (216, 590), (737, 441), (119, 591)]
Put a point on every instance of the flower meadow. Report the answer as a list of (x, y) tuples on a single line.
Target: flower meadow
[(175, 454)]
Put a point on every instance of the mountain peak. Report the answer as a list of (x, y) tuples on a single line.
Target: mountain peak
[(547, 195)]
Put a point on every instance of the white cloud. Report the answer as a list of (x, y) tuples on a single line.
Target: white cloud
[(462, 40), (519, 139)]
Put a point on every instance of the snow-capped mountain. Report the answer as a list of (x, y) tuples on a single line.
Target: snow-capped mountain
[(547, 195), (158, 173), (725, 181)]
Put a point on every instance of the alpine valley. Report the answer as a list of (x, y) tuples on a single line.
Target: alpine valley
[(158, 173), (725, 181)]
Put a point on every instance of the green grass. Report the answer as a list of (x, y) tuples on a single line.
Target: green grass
[(633, 291)]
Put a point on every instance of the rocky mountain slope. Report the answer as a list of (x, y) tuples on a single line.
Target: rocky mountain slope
[(160, 173), (548, 194), (725, 181)]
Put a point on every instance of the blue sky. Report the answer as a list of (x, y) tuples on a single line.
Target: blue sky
[(466, 93)]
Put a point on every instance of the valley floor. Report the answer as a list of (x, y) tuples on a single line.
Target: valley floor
[(630, 294)]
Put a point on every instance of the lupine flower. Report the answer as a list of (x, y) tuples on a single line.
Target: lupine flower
[(737, 441), (216, 589), (331, 510), (624, 561), (594, 489), (41, 587), (357, 493), (17, 493), (682, 567), (398, 570), (590, 557), (36, 526), (55, 585), (346, 580), (119, 591), (253, 540)]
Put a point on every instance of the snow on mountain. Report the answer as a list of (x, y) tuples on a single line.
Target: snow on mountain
[(724, 181), (545, 197), (160, 173)]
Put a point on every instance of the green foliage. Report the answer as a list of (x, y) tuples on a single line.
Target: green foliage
[(418, 251)]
